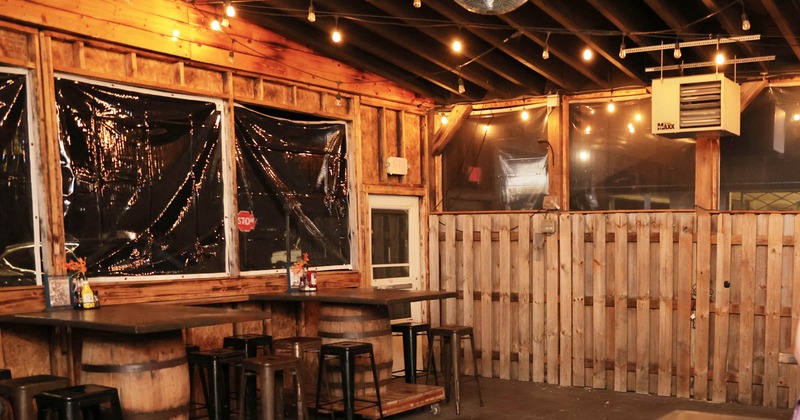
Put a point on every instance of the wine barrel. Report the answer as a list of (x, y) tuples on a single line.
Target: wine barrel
[(362, 323), (151, 374)]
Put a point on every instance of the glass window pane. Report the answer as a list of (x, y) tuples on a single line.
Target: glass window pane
[(616, 163), (758, 169), (497, 162), (389, 236), (142, 181), (17, 258), (389, 272)]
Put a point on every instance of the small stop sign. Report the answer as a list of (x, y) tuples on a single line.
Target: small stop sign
[(246, 221)]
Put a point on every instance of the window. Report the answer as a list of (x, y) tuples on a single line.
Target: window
[(615, 163), (142, 175), (289, 163), (497, 161), (758, 170), (20, 255)]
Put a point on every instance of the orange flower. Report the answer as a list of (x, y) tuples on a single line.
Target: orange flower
[(77, 266), (298, 265)]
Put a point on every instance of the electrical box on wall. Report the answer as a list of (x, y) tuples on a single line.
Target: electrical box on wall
[(696, 106), (396, 166)]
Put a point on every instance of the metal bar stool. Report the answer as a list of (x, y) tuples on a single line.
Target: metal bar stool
[(73, 401), (250, 344), (21, 391), (299, 347), (409, 331), (267, 368), (214, 366), (451, 336), (347, 351)]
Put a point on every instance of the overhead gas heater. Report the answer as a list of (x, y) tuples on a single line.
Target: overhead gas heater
[(695, 106)]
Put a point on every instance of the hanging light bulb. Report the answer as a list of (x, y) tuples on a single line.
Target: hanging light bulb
[(225, 22), (336, 36), (338, 94), (611, 107), (631, 128), (719, 58), (622, 52), (587, 54), (457, 45), (230, 56), (546, 50), (312, 16), (417, 3), (461, 88), (444, 119), (229, 10), (175, 34), (745, 20), (524, 115), (215, 25), (677, 52)]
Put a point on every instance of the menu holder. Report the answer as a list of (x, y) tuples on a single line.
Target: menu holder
[(57, 291)]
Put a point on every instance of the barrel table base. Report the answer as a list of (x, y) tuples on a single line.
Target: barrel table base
[(149, 371)]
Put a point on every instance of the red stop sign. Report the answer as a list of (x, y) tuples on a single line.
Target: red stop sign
[(246, 221)]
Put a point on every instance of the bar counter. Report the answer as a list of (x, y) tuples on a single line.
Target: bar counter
[(357, 296)]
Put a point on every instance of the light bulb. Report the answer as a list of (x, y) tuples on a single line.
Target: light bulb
[(229, 10), (631, 129), (225, 22), (230, 56), (524, 115), (417, 3), (677, 52), (175, 34), (610, 107), (336, 36), (745, 22), (338, 99), (796, 117), (215, 25), (444, 119), (457, 45), (587, 130), (545, 53), (622, 52), (637, 117), (583, 155), (587, 54), (720, 58), (312, 17), (461, 88)]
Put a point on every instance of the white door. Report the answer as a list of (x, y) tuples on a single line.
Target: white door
[(395, 245)]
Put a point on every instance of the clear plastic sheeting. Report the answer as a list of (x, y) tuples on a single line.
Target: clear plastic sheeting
[(296, 166), (758, 169), (616, 163), (143, 190), (17, 256), (497, 161)]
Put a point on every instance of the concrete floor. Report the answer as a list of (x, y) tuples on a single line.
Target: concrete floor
[(515, 400)]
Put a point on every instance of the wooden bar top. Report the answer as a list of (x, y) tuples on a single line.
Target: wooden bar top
[(137, 318), (362, 296)]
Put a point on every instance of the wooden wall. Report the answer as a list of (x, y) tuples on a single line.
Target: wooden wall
[(693, 305), (130, 43)]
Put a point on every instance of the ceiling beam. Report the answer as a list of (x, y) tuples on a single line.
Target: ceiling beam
[(779, 16), (471, 22)]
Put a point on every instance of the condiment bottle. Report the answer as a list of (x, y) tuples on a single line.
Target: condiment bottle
[(87, 296)]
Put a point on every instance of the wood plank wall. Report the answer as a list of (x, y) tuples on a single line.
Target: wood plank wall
[(693, 305)]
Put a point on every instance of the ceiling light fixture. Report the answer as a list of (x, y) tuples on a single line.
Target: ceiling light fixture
[(745, 20), (524, 115), (338, 94), (417, 3), (622, 52), (610, 107), (677, 51), (175, 34), (587, 54), (719, 58), (215, 25), (546, 50), (229, 10), (444, 119), (461, 88), (312, 16), (690, 44), (336, 36), (457, 45)]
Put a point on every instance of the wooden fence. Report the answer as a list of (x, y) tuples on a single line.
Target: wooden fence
[(693, 305)]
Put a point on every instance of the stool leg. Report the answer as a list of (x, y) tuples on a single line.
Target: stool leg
[(454, 347), (21, 405), (241, 403), (377, 382), (268, 394), (475, 367), (302, 412), (410, 355), (348, 378), (319, 383), (446, 363), (116, 409), (431, 362)]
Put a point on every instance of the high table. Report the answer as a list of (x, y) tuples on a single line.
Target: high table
[(362, 314), (138, 349)]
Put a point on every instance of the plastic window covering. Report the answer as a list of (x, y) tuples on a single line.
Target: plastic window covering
[(17, 246), (497, 161), (616, 163), (142, 182), (758, 169), (293, 165)]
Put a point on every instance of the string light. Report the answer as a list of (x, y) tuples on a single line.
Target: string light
[(312, 16), (417, 3), (225, 22), (796, 117), (719, 58), (611, 107), (546, 50), (215, 25), (336, 36), (338, 93), (175, 34), (457, 45), (587, 130), (622, 52), (461, 88), (444, 119), (583, 155), (229, 10), (637, 117), (230, 53), (587, 54), (745, 20), (631, 129), (677, 51), (524, 115)]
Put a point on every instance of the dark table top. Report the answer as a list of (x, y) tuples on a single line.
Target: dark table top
[(137, 318), (362, 296)]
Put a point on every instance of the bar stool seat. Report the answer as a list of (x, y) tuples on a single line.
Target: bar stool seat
[(451, 336), (214, 371), (346, 352), (266, 368), (249, 343), (5, 374), (73, 401), (21, 391), (409, 332)]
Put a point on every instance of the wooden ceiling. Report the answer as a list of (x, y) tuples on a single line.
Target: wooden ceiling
[(502, 55)]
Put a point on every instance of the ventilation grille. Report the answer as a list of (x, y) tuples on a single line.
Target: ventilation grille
[(701, 105)]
